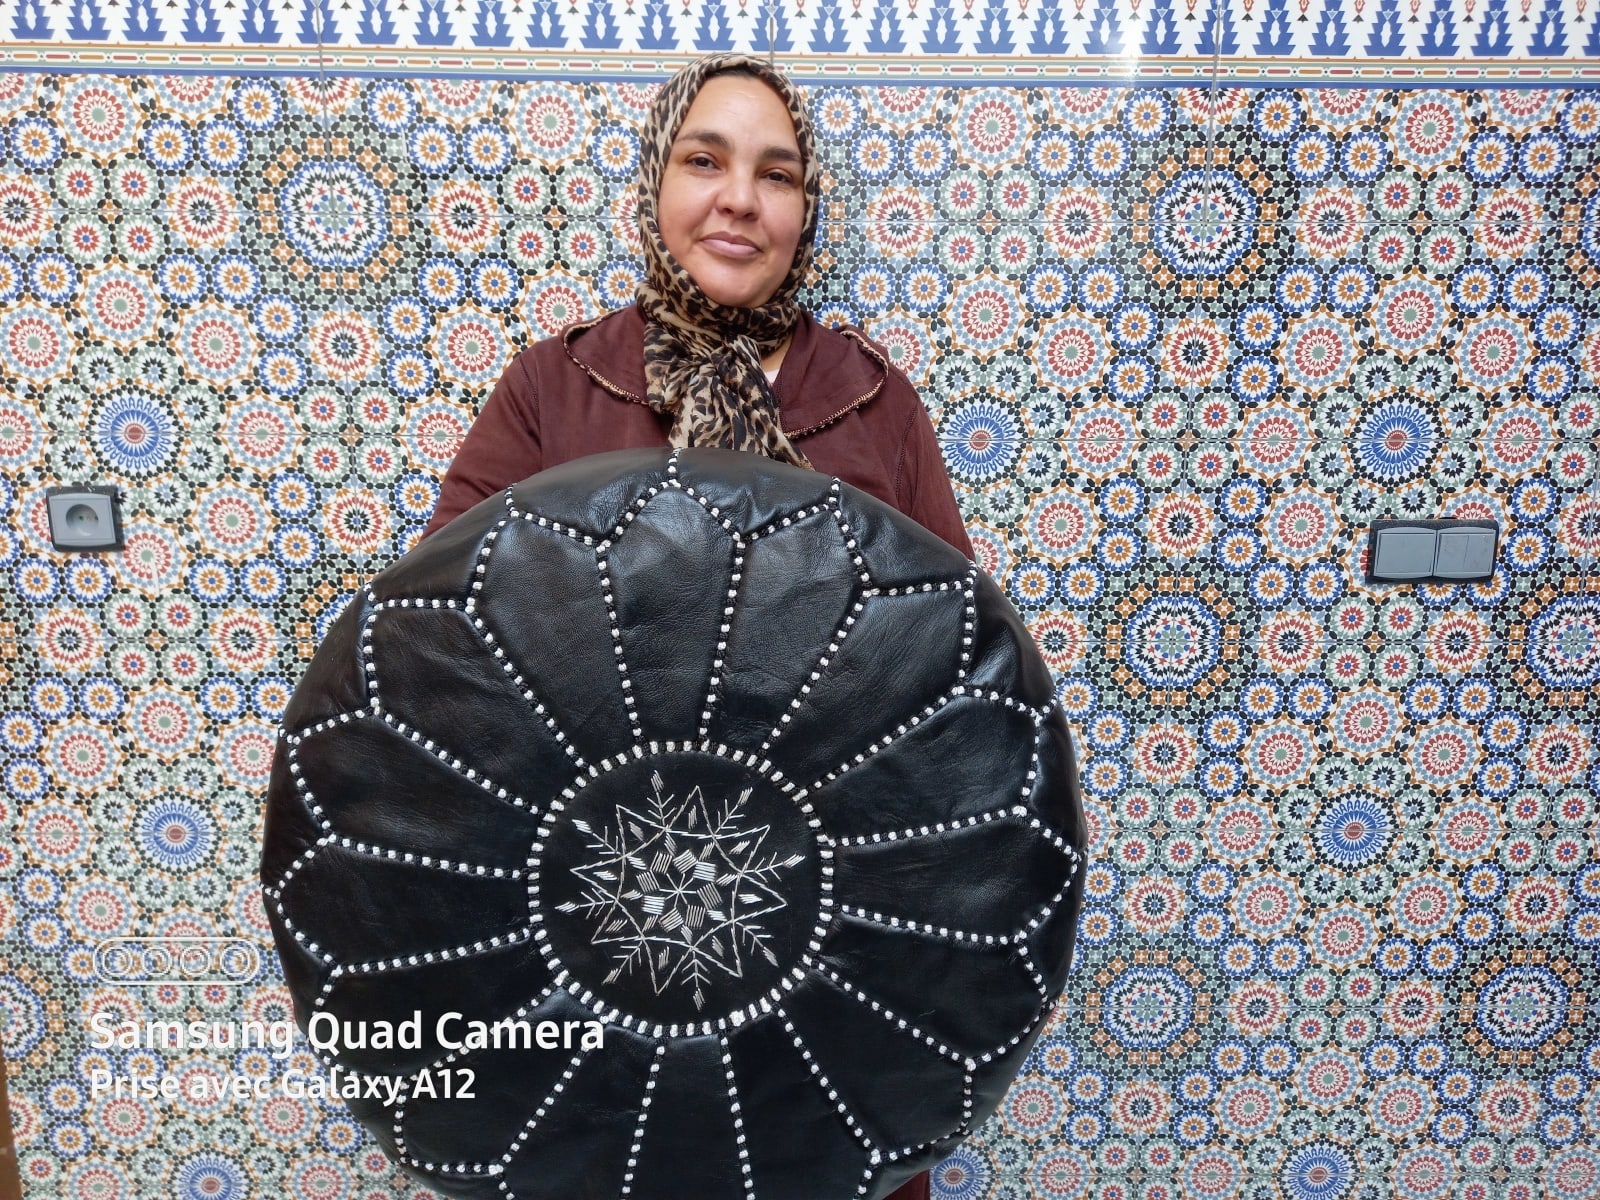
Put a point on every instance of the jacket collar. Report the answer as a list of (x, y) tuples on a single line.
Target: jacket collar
[(817, 384)]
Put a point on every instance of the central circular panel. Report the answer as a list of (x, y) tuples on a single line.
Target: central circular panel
[(679, 887)]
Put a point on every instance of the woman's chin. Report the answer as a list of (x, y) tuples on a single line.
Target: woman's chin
[(734, 297), (732, 289)]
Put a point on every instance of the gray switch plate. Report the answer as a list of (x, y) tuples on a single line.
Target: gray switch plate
[(1404, 553), (1431, 551), (1465, 554)]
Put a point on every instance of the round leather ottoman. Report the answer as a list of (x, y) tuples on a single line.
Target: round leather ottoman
[(675, 825)]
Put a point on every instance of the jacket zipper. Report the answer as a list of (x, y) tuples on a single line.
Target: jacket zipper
[(854, 404), (566, 344), (859, 400)]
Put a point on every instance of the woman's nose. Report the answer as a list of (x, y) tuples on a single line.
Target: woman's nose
[(737, 193)]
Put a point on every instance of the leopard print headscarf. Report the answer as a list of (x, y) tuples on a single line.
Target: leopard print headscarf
[(702, 360)]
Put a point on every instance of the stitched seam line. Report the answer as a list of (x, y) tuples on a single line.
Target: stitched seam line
[(900, 457)]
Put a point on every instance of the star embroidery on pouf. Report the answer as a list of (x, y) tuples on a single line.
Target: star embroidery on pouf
[(680, 890)]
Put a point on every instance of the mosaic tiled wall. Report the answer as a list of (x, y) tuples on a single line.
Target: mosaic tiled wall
[(1181, 346)]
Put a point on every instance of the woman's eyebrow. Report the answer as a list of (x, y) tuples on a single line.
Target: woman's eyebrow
[(710, 137)]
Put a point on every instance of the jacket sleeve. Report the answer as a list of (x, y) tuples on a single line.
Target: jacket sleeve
[(921, 480), (500, 449)]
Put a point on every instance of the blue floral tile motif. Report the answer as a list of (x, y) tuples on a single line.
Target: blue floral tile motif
[(1354, 831), (1148, 1008), (1566, 650), (1205, 222), (333, 214), (1318, 1171), (1396, 441), (982, 439), (963, 1176), (1173, 643), (211, 1175)]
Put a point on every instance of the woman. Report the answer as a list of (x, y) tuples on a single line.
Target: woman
[(716, 352)]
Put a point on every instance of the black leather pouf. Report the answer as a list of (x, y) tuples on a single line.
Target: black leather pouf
[(720, 763)]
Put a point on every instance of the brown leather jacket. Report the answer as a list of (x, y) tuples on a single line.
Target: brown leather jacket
[(849, 411)]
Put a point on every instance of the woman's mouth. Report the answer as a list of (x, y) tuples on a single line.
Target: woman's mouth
[(730, 245)]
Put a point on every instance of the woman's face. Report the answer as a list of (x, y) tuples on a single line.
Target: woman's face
[(732, 203)]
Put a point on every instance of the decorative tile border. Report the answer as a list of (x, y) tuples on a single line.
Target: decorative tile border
[(1254, 42)]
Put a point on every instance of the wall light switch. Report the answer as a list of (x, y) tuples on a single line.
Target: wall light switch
[(1404, 553), (1465, 554), (1431, 551)]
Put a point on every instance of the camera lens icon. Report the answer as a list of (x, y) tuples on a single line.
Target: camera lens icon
[(157, 961)]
